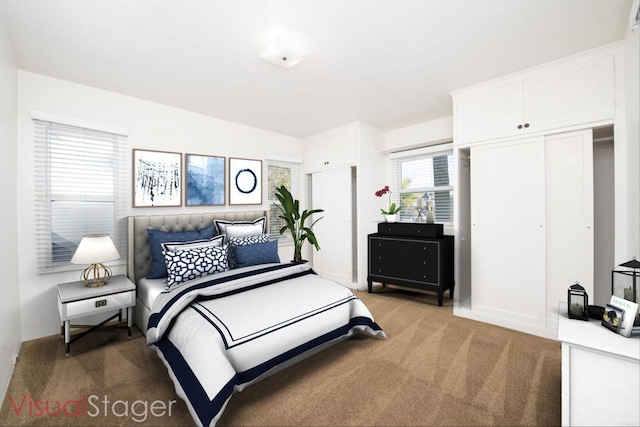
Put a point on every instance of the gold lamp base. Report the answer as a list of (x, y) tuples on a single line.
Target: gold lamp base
[(96, 275)]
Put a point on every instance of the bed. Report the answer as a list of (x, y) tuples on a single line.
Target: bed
[(221, 332)]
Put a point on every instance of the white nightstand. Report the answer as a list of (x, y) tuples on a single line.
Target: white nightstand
[(75, 300)]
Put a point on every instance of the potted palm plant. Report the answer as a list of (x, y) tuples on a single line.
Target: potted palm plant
[(295, 222)]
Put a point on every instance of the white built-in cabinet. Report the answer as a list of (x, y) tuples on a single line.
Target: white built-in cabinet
[(531, 225), (331, 190), (343, 167), (331, 149), (536, 101), (525, 228)]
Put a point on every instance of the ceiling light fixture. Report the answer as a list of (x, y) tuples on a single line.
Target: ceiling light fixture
[(283, 53)]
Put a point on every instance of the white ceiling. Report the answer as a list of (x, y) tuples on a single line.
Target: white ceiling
[(389, 63)]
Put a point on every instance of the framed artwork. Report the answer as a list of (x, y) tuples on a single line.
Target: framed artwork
[(205, 180), (157, 179), (245, 181)]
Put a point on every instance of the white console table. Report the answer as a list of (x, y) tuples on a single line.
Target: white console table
[(600, 374)]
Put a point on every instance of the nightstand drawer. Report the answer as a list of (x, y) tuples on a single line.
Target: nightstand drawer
[(98, 304)]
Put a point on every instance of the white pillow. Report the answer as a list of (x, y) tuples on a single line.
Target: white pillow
[(214, 242), (241, 228)]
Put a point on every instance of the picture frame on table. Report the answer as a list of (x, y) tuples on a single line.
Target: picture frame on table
[(612, 317), (245, 181), (205, 176), (157, 178)]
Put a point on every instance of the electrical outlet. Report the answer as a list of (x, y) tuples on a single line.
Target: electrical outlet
[(15, 359), (101, 303)]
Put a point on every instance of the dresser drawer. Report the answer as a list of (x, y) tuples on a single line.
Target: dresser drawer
[(420, 261), (89, 306), (411, 229), (426, 248), (412, 274)]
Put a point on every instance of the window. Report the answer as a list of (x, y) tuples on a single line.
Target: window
[(281, 173), (425, 173), (81, 189)]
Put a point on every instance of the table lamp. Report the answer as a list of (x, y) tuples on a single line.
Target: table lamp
[(95, 249)]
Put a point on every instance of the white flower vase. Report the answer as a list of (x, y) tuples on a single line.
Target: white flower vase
[(390, 218)]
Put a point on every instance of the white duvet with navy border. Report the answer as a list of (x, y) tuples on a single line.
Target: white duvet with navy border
[(221, 333)]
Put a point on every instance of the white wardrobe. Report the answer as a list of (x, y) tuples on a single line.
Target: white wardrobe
[(342, 166), (525, 200), (531, 225)]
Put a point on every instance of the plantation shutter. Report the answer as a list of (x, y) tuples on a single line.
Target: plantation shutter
[(280, 173), (80, 188)]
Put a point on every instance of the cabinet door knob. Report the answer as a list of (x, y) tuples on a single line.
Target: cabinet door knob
[(526, 125), (519, 126)]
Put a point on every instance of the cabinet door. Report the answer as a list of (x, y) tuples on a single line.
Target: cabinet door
[(331, 191), (489, 114), (507, 217), (331, 149), (315, 157), (572, 95), (569, 216)]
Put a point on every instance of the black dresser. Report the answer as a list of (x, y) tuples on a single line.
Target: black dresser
[(412, 255)]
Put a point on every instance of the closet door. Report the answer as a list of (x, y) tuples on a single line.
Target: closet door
[(508, 239), (331, 191), (569, 217)]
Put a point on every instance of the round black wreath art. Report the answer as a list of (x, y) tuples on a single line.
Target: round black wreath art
[(255, 181)]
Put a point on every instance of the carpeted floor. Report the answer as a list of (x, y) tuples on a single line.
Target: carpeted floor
[(434, 369)]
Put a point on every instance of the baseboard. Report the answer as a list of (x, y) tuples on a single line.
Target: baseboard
[(507, 323), (4, 384)]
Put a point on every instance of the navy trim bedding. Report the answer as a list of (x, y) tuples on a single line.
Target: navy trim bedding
[(220, 334)]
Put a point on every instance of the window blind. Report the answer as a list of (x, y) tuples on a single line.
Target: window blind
[(426, 174), (81, 188), (287, 174)]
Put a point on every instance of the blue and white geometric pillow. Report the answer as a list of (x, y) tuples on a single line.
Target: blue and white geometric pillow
[(242, 241), (248, 240), (193, 263)]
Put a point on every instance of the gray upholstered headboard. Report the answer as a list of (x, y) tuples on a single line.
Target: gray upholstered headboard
[(138, 251)]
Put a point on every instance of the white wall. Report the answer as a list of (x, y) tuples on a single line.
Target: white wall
[(420, 135), (150, 126), (632, 106), (370, 178), (9, 303)]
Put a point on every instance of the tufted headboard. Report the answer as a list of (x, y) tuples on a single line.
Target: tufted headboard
[(138, 251)]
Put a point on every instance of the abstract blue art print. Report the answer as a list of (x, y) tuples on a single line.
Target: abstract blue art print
[(205, 180)]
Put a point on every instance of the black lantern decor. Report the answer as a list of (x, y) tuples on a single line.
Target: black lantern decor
[(578, 302), (624, 282)]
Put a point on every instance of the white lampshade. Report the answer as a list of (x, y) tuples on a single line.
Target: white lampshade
[(95, 249)]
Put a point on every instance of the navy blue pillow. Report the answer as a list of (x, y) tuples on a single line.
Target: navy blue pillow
[(158, 268), (256, 253)]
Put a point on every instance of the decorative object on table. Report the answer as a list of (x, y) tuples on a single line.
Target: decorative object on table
[(205, 180), (578, 302), (629, 311), (245, 181), (624, 284), (595, 312), (419, 207), (612, 317), (295, 222), (157, 177), (95, 249), (389, 215), (431, 211)]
